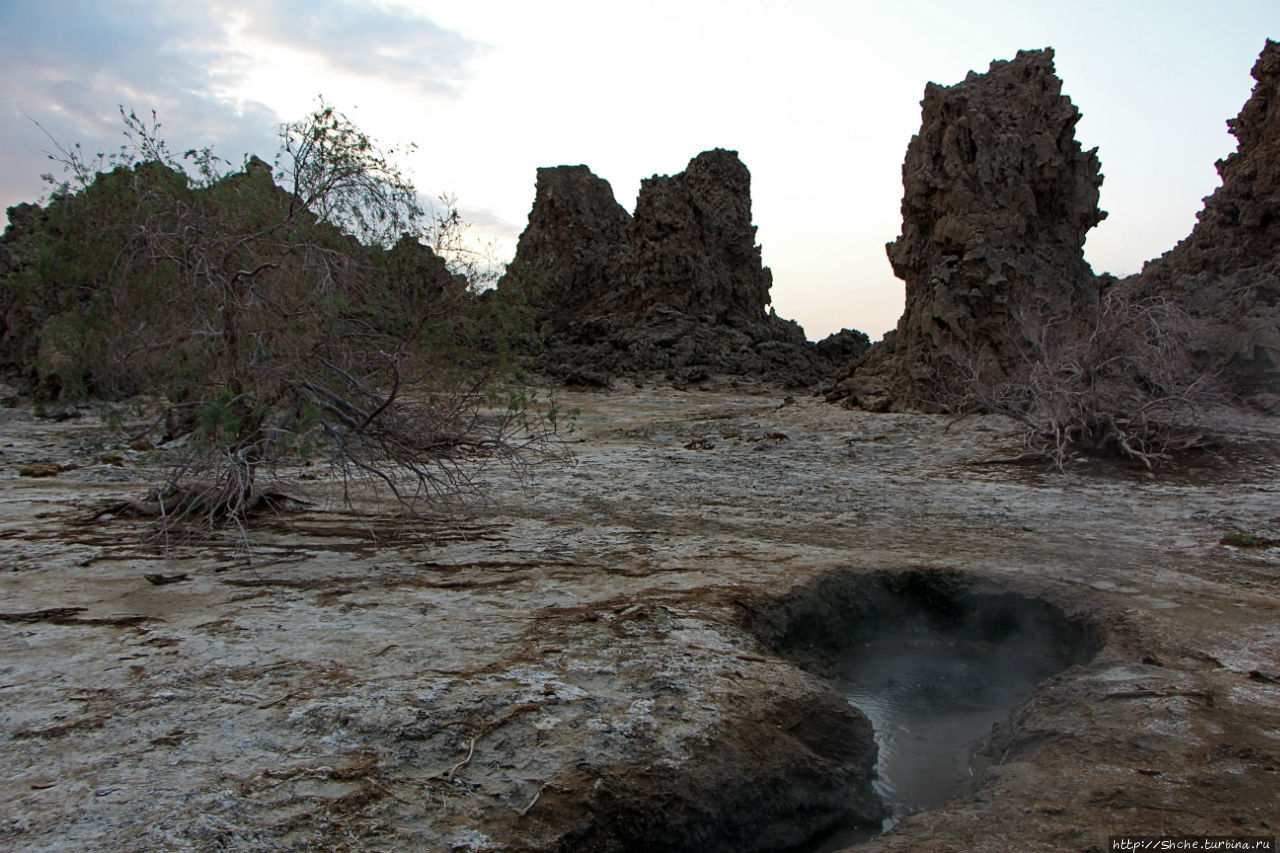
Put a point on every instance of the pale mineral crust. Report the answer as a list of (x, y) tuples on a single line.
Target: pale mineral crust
[(609, 659)]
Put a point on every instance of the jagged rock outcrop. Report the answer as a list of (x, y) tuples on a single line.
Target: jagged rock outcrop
[(416, 275), (1227, 272), (576, 250), (997, 198), (843, 346), (676, 293), (694, 244)]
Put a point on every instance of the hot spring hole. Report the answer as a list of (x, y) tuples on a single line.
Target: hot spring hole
[(933, 659)]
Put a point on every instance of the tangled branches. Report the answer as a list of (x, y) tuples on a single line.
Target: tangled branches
[(424, 447), (280, 325), (1113, 378)]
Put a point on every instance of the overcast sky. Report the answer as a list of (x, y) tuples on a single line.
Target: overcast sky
[(819, 98)]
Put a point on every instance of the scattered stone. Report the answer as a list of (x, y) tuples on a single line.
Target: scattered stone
[(40, 469), (162, 580)]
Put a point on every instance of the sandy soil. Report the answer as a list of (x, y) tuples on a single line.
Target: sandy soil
[(581, 666)]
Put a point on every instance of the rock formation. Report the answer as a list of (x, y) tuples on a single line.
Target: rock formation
[(676, 293), (843, 346), (998, 197), (576, 250), (694, 244), (1227, 272)]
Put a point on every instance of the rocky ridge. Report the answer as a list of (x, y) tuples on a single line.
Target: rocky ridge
[(998, 197), (1226, 272), (576, 249), (676, 292)]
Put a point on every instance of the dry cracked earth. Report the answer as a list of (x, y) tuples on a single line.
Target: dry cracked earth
[(633, 652)]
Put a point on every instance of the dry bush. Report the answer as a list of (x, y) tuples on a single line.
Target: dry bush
[(272, 331), (1111, 378)]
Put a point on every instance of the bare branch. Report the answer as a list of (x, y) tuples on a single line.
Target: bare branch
[(1113, 378)]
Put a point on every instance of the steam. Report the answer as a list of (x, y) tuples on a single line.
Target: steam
[(932, 691)]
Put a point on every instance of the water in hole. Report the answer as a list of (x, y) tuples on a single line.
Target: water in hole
[(932, 696)]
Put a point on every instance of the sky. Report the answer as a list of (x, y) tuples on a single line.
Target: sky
[(820, 100)]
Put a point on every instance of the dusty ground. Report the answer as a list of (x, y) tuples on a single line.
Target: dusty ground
[(580, 667)]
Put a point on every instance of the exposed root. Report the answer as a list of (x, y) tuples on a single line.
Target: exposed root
[(537, 796), (198, 500), (448, 775)]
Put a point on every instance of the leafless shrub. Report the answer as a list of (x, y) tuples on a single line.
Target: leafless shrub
[(1111, 378), (427, 448)]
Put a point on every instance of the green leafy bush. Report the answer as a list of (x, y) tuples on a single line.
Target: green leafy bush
[(272, 320)]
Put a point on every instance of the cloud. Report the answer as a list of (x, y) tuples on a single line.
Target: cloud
[(70, 65), (489, 224), (367, 41)]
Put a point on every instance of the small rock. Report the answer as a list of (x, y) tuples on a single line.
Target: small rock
[(40, 469)]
